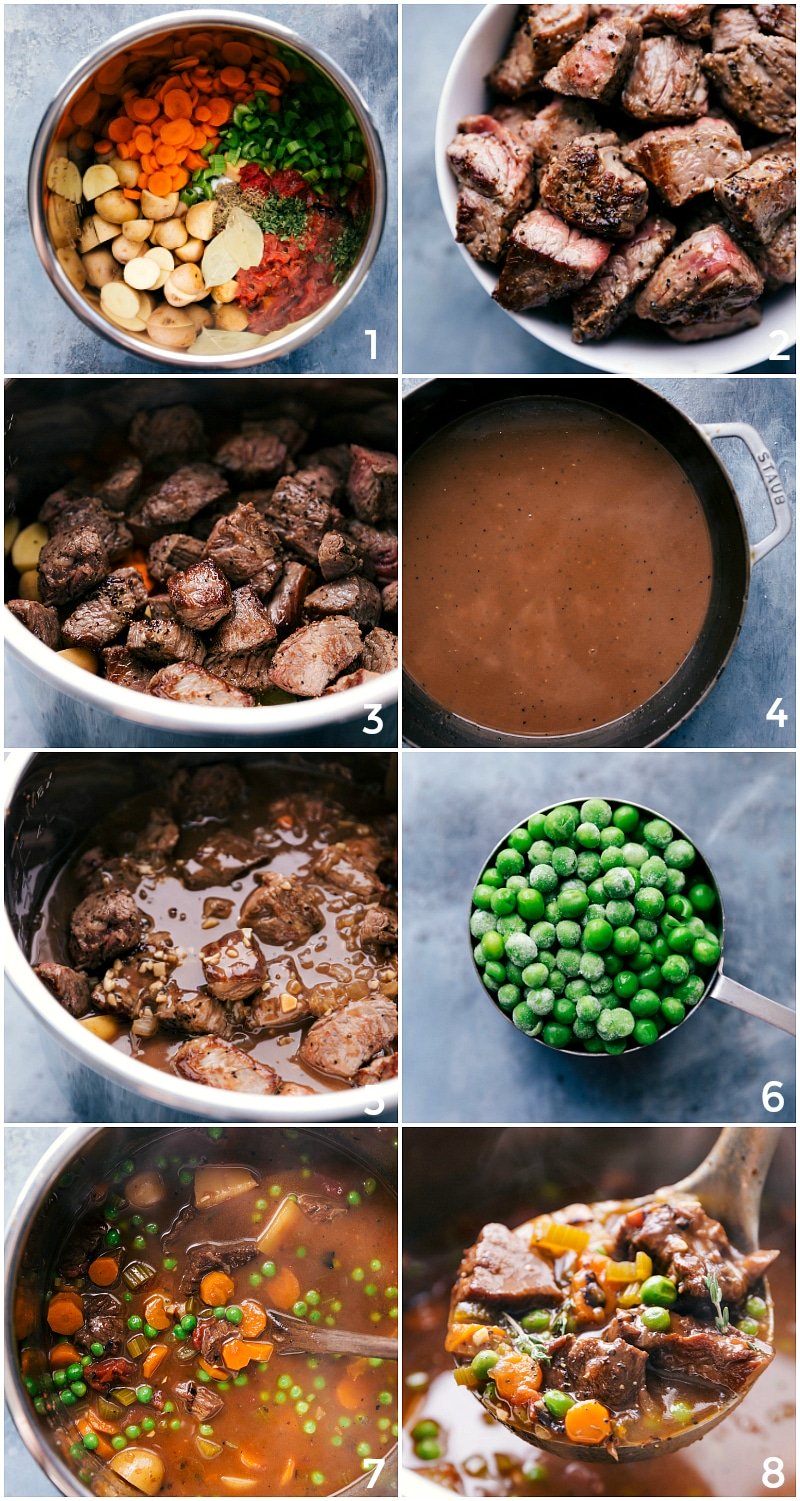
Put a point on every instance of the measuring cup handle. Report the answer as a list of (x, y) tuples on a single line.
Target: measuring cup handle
[(742, 999), (770, 478)]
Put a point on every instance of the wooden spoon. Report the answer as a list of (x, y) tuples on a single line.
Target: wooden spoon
[(293, 1336)]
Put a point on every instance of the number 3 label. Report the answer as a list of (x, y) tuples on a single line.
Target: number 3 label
[(772, 1474), (374, 723)]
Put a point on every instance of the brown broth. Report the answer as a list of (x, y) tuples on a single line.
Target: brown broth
[(557, 567)]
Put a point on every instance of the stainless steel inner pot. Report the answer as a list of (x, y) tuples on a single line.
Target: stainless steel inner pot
[(142, 48), (50, 422), (52, 799), (719, 986), (51, 1199)]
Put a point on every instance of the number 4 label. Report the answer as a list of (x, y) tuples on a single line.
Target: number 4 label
[(778, 715)]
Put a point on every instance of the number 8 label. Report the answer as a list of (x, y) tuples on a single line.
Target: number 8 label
[(772, 1474)]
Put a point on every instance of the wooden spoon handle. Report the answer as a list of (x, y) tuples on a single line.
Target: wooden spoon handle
[(296, 1335)]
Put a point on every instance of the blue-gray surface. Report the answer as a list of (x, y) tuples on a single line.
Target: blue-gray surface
[(43, 43), (762, 667), (24, 1147), (464, 1060), (449, 324)]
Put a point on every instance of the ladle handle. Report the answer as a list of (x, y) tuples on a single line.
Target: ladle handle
[(730, 1180), (743, 999), (770, 479)]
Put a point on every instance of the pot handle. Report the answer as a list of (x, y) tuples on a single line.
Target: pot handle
[(776, 494), (743, 999)]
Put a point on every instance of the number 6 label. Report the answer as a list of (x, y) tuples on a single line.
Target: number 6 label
[(772, 1096)]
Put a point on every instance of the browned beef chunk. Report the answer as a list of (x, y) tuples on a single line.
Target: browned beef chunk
[(159, 837), (220, 1065), (390, 598), (493, 161), (372, 485), (285, 603), (55, 503), (164, 640), (698, 1353), (499, 1268), (97, 871), (758, 199), (103, 926), (683, 161), (200, 1403), (308, 660), (610, 1371), (40, 620), (248, 626), (112, 1370), (588, 186), (248, 670), (336, 460), (666, 81), (99, 618), (339, 1044), (70, 564), (707, 276), (299, 510), (355, 597), (483, 225), (714, 328), (779, 20), (323, 1210), (601, 307), (281, 911), (379, 928), (544, 33), (243, 544), (122, 667), (690, 21), (179, 497), (201, 595), (338, 556), (168, 435), (378, 1070), (731, 25), (68, 986), (687, 1245), (192, 1011), (547, 259), (194, 685), (217, 906), (777, 260), (211, 1333), (257, 456), (233, 965), (380, 651), (268, 1010), (221, 858), (560, 122), (352, 865), (172, 554), (88, 511), (120, 487), (355, 679), (379, 549), (595, 68), (215, 790), (756, 82), (102, 1323)]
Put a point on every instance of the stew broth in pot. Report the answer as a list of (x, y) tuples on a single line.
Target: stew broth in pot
[(558, 566)]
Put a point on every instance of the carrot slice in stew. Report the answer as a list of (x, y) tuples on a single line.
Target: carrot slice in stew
[(63, 1355), (587, 1422), (104, 1271), (177, 104), (284, 1288), (154, 1358), (65, 1312), (217, 1372), (216, 1288), (254, 1318), (155, 1312)]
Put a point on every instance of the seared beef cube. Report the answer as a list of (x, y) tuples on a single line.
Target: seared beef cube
[(200, 1403), (731, 25), (201, 595), (500, 1268), (67, 985), (101, 617), (493, 161), (777, 260), (547, 259), (122, 667), (89, 511), (483, 225), (220, 1065), (172, 554), (308, 660), (666, 81), (356, 679), (281, 911), (756, 82), (102, 1323), (60, 500), (217, 906), (121, 486), (216, 1256), (248, 626), (215, 790), (380, 651), (168, 435), (242, 544), (372, 485), (543, 35), (588, 186), (355, 597), (299, 513), (164, 640), (247, 670), (378, 1071), (338, 556), (379, 548), (601, 307), (40, 620), (390, 598), (683, 161), (596, 66), (192, 1011), (336, 460), (159, 836), (779, 20), (179, 497), (758, 199), (715, 328), (220, 859), (605, 1370), (689, 1245), (70, 564), (560, 122), (268, 1010), (233, 966), (707, 276), (352, 866), (104, 926), (257, 456), (379, 928), (339, 1044), (699, 1353), (193, 685), (690, 21)]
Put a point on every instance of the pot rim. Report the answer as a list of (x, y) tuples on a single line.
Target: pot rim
[(298, 334), (577, 738), (151, 1084)]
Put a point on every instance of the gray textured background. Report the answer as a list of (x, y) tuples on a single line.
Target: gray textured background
[(464, 1061), (449, 323), (42, 44), (762, 667)]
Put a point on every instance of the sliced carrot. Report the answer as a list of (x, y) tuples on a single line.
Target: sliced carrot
[(216, 1288), (143, 140), (155, 1311), (84, 140), (85, 109), (63, 1354), (120, 129), (195, 162), (101, 1425), (160, 184), (238, 54), (145, 110), (235, 1354), (103, 1449), (180, 153), (154, 1358), (348, 1393), (104, 1271), (149, 163), (123, 151), (218, 1372), (284, 1289), (141, 181), (65, 1312), (177, 104), (103, 148), (177, 132), (164, 155), (233, 78), (260, 1349), (202, 113), (111, 72), (254, 1320), (134, 194), (180, 177), (219, 111)]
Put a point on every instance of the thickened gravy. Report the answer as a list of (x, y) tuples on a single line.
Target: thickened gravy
[(557, 566)]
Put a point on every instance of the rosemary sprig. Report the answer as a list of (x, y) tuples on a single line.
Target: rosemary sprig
[(533, 1345), (723, 1317)]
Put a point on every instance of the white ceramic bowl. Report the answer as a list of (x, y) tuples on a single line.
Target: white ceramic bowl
[(638, 349)]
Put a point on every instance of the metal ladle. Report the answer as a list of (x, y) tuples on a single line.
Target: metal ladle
[(728, 1183)]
